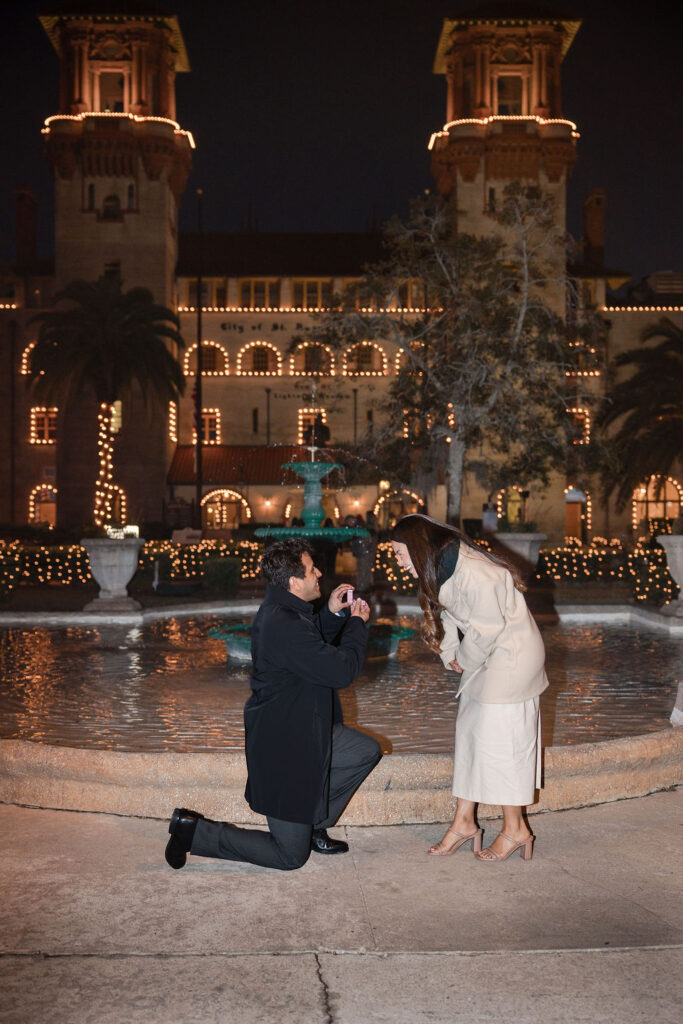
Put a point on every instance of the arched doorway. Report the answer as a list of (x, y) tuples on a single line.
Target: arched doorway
[(394, 504), (657, 499), (224, 510), (42, 506)]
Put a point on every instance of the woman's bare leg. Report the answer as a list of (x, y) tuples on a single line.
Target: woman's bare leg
[(463, 824), (514, 826)]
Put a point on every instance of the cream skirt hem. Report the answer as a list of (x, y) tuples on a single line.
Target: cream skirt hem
[(497, 752)]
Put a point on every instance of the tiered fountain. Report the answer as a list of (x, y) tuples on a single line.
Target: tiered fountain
[(383, 638)]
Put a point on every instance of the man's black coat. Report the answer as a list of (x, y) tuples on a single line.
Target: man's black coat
[(289, 716)]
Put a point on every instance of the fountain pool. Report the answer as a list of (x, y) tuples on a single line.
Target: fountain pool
[(168, 686)]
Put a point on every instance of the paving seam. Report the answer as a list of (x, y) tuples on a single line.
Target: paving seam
[(360, 889), (322, 951)]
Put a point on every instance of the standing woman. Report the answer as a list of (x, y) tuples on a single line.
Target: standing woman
[(476, 619)]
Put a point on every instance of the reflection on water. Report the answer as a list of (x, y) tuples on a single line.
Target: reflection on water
[(167, 686)]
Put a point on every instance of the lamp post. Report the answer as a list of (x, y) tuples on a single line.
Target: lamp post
[(198, 381)]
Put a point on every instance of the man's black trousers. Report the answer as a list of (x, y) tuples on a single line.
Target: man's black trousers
[(288, 844)]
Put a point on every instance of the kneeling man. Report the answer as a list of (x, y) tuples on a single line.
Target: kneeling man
[(303, 763)]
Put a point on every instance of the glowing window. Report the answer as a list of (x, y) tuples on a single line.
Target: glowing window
[(211, 427), (214, 360), (659, 498), (259, 358), (312, 358), (43, 429)]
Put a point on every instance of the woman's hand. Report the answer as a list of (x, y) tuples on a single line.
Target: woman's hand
[(337, 597), (454, 665)]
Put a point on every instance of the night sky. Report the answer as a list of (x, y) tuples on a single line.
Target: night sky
[(318, 115)]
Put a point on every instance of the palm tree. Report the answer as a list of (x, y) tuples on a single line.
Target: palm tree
[(650, 437), (102, 344)]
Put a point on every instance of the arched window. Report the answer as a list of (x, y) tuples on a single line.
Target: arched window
[(660, 497), (42, 505), (510, 503), (224, 509), (258, 359), (365, 359), (312, 359), (215, 361)]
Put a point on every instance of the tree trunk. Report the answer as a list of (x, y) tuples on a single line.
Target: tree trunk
[(454, 474)]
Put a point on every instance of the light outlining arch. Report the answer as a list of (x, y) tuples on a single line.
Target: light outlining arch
[(500, 497), (641, 491), (365, 373), (25, 366), (397, 495), (207, 344), (258, 373), (41, 492), (587, 514), (330, 372), (230, 495)]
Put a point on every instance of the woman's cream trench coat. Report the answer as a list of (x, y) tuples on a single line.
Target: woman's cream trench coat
[(501, 651)]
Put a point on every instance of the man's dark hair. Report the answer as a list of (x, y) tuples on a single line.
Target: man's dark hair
[(282, 559)]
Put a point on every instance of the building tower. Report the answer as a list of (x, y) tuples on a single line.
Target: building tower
[(504, 109), (119, 158), (120, 162)]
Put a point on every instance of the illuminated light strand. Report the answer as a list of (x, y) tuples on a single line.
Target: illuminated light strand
[(40, 424), (303, 423), (587, 514), (640, 497), (306, 373), (365, 373), (25, 367), (585, 413), (306, 309), (34, 499), (8, 305), (173, 422), (259, 373), (483, 121), (500, 497), (225, 492), (642, 309), (138, 118), (106, 492), (209, 413), (397, 495), (207, 373)]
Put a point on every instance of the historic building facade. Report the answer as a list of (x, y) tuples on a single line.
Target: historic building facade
[(121, 162)]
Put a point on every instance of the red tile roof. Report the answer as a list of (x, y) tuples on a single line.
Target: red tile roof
[(225, 464)]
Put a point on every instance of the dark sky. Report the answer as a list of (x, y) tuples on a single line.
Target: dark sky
[(319, 114)]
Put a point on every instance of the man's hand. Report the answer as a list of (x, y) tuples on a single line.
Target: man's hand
[(336, 601), (361, 608)]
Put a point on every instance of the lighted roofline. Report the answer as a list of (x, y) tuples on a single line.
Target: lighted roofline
[(111, 113), (503, 117), (642, 309)]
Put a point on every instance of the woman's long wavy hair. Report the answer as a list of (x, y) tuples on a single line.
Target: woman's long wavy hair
[(426, 540)]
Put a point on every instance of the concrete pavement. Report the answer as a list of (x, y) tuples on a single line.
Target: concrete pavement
[(98, 930)]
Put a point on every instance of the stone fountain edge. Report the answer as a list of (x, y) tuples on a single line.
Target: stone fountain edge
[(403, 789)]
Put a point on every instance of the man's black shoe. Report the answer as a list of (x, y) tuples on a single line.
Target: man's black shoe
[(182, 826), (322, 843)]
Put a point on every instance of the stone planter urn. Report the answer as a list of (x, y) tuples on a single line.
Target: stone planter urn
[(112, 564), (524, 548), (673, 545)]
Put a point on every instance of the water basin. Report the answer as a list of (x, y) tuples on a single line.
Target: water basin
[(167, 685)]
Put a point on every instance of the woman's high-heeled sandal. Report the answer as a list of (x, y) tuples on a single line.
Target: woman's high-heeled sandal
[(443, 849), (526, 848)]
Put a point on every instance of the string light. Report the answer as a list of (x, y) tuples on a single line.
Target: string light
[(640, 496), (307, 373), (137, 118), (173, 422), (211, 420), (306, 418), (206, 373), (585, 416), (229, 495), (349, 354), (397, 496), (43, 424), (40, 493), (642, 309), (483, 121), (107, 493), (25, 367), (259, 373)]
